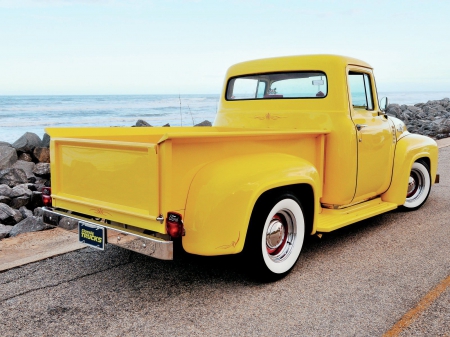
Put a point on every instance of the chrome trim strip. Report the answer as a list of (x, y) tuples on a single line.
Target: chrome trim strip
[(125, 238)]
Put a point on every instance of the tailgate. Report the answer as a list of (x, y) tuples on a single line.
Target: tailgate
[(107, 179)]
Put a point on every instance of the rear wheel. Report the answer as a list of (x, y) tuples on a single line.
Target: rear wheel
[(419, 186), (275, 237)]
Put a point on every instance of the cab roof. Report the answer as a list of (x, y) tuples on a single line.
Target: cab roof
[(294, 63)]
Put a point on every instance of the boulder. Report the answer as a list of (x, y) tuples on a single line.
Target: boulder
[(16, 203), (32, 224), (45, 141), (26, 213), (26, 166), (38, 212), (17, 216), (25, 157), (5, 200), (20, 190), (13, 177), (42, 154), (142, 123), (7, 215), (8, 156), (430, 119), (4, 231), (27, 142), (42, 170), (5, 144), (204, 123), (5, 190)]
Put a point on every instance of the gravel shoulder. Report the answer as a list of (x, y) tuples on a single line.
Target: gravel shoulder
[(357, 281)]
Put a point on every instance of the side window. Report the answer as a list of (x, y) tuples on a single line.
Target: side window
[(360, 90)]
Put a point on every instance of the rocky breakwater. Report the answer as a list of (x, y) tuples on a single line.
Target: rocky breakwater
[(431, 119), (24, 171)]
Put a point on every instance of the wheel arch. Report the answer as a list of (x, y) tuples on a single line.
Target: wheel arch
[(410, 149), (303, 192), (219, 206)]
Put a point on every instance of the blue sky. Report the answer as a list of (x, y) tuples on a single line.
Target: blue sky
[(175, 46)]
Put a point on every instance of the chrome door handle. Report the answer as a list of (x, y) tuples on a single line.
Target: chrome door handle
[(360, 126)]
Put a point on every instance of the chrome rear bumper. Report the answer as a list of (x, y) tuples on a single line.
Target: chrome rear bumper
[(123, 237)]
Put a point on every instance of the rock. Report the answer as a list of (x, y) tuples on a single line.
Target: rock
[(7, 215), (19, 202), (26, 213), (68, 223), (27, 142), (42, 154), (8, 156), (25, 157), (19, 191), (430, 119), (142, 123), (26, 166), (204, 123), (42, 170), (45, 140), (5, 200), (4, 231), (32, 224), (166, 125), (17, 216), (5, 144), (13, 177), (5, 190), (38, 212)]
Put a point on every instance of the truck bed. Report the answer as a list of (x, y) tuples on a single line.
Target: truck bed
[(134, 175)]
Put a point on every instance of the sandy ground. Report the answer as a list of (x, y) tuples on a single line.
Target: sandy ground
[(357, 281)]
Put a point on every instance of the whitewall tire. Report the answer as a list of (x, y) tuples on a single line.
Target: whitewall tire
[(275, 237), (419, 186)]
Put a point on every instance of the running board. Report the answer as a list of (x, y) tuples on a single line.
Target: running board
[(332, 219)]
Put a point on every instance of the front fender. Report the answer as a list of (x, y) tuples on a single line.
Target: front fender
[(409, 149), (222, 195)]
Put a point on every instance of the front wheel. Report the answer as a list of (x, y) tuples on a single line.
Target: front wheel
[(419, 186), (275, 237)]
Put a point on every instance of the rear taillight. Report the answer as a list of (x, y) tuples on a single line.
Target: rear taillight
[(46, 196), (174, 225)]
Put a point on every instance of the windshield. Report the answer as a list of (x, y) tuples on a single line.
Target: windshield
[(278, 85)]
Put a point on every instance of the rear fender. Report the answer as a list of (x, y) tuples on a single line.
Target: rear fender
[(223, 193), (409, 149)]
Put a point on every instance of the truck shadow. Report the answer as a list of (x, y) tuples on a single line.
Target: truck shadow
[(187, 269)]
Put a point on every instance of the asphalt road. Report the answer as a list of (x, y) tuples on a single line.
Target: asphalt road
[(357, 281)]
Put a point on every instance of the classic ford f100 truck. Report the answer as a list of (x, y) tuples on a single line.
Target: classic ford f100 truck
[(300, 145)]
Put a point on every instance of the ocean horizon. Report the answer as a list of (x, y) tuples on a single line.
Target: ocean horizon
[(34, 113)]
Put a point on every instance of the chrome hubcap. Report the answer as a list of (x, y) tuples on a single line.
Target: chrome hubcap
[(411, 185), (280, 235), (415, 185), (276, 233)]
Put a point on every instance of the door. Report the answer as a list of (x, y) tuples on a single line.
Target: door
[(375, 137)]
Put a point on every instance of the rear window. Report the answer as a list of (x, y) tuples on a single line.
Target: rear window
[(278, 86)]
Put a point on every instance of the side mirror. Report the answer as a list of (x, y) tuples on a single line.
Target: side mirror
[(384, 102)]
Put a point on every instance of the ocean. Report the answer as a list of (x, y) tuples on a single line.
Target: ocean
[(20, 114)]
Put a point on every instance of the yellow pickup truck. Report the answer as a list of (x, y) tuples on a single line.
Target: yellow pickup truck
[(300, 145)]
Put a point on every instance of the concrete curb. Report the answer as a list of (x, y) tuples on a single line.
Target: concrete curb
[(443, 142), (35, 246)]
